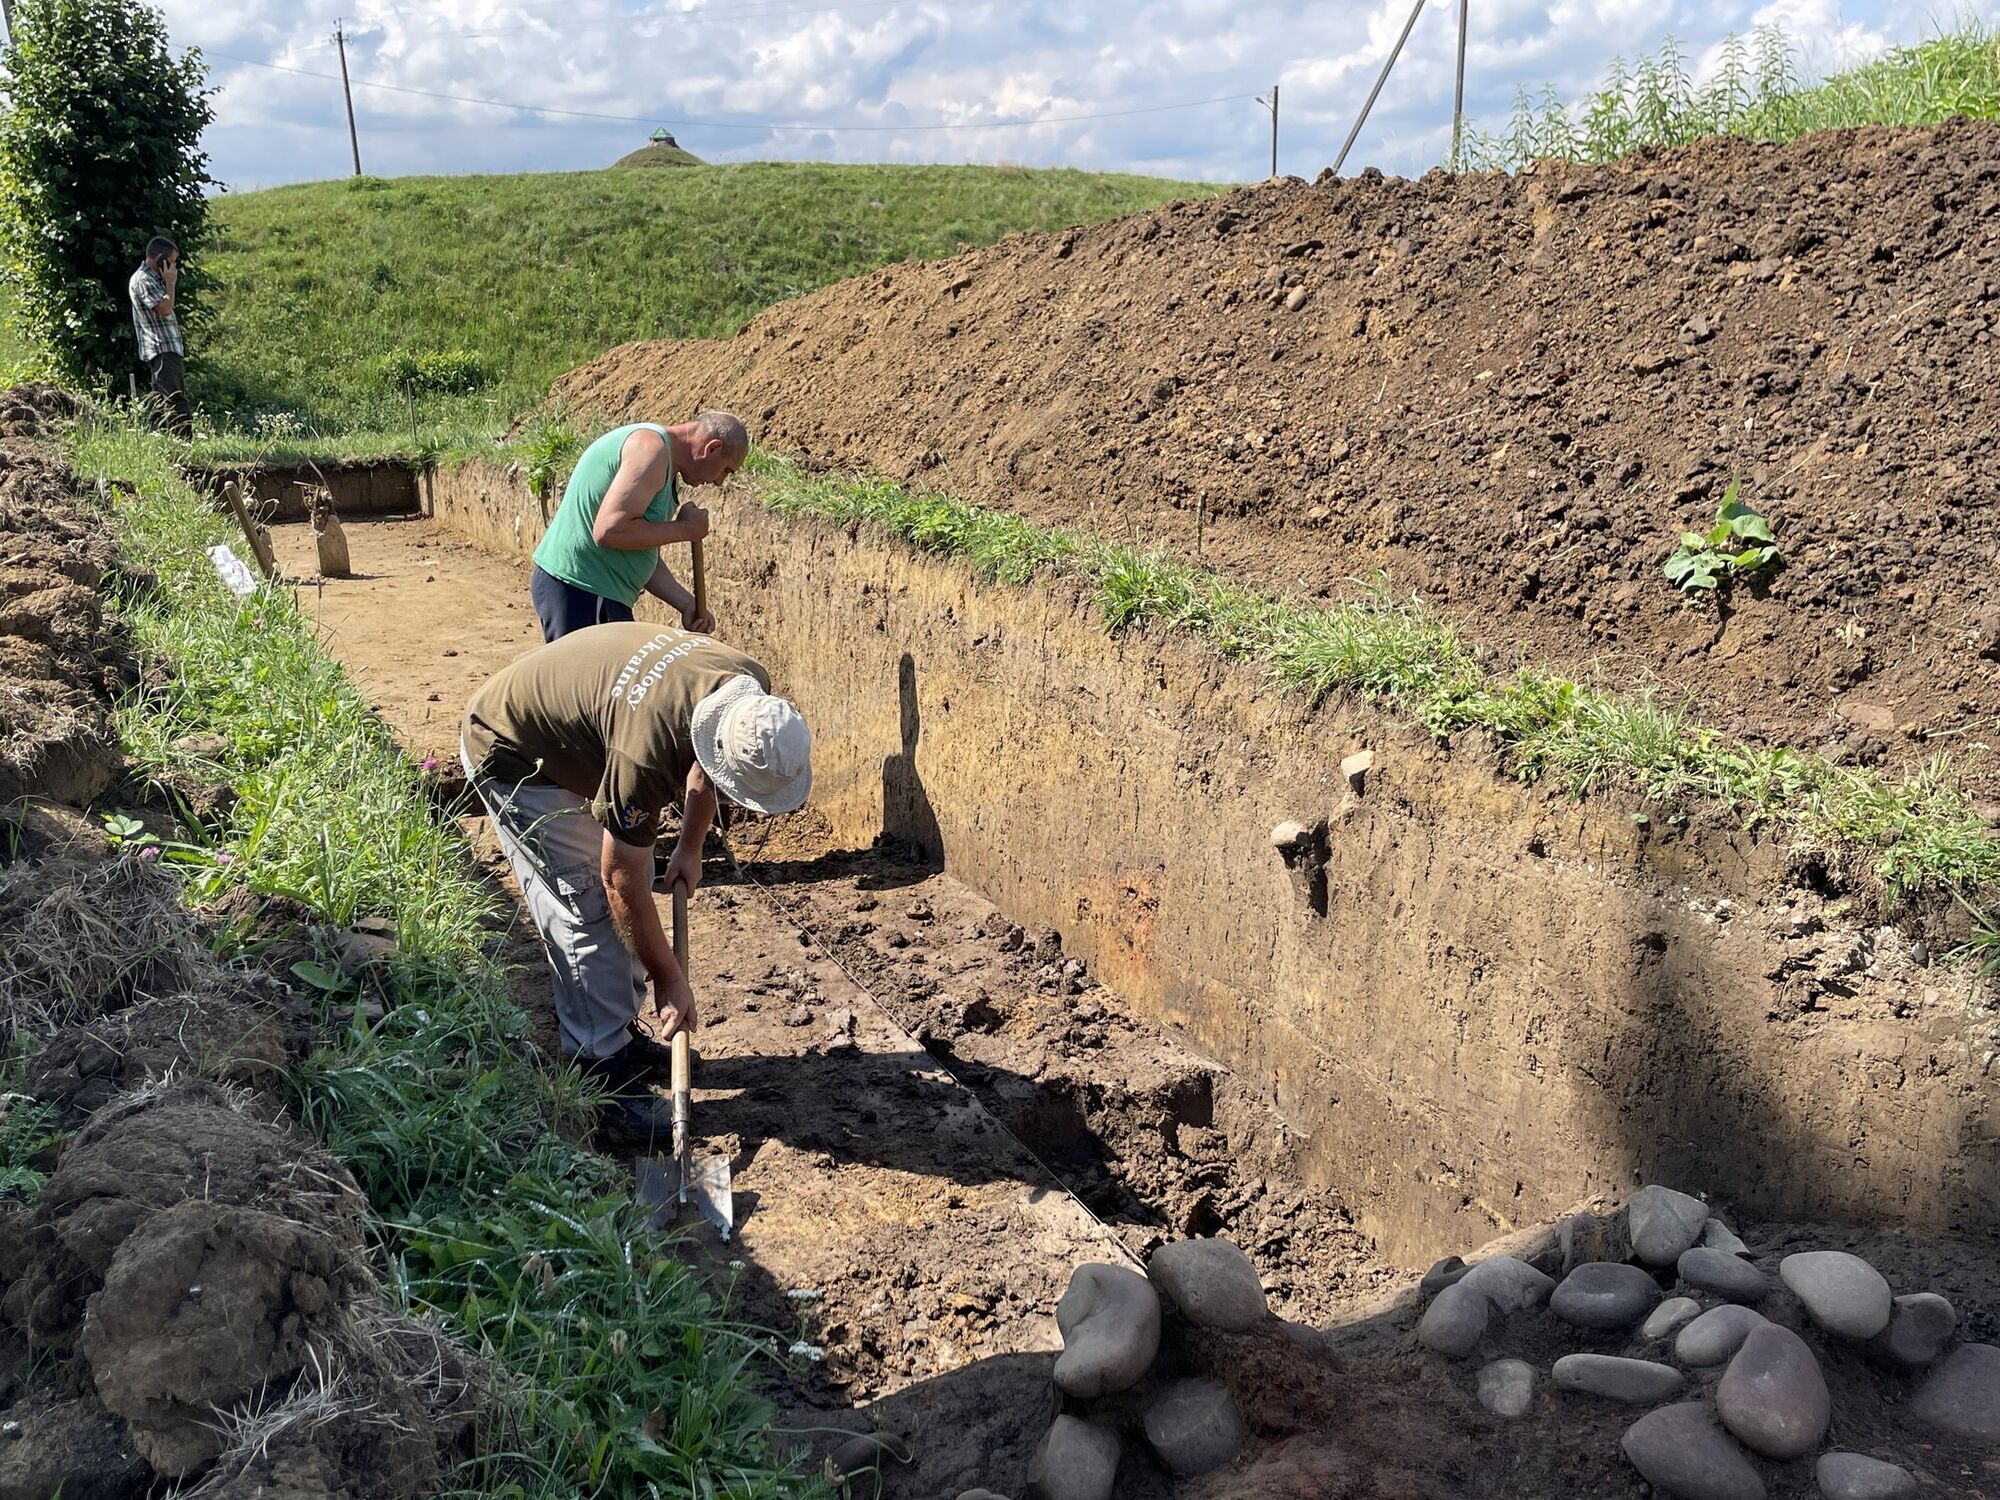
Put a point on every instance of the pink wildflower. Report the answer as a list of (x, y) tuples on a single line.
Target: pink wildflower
[(430, 762), (150, 852), (225, 858)]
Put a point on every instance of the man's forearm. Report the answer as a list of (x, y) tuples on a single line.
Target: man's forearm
[(668, 589), (636, 917), (698, 809), (632, 534)]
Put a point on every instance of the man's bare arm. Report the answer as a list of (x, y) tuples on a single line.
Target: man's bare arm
[(621, 516), (628, 881), (672, 592)]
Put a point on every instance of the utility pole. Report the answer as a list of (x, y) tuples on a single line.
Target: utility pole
[(1394, 53), (1458, 92), (1272, 104), (353, 138)]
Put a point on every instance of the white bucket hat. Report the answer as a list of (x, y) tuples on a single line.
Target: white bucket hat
[(755, 748)]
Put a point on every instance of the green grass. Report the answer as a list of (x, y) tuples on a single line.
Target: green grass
[(1757, 91), (320, 288), (619, 1374), (1919, 834)]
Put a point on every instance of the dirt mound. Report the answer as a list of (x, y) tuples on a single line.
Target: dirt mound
[(1513, 393), (202, 1267), (61, 657)]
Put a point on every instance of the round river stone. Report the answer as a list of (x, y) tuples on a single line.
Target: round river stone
[(1077, 1460), (1636, 1382), (1724, 1274), (1507, 1387), (1664, 1223), (1679, 1449), (1920, 1325), (1842, 1292), (1670, 1317), (1854, 1476), (1110, 1322), (1194, 1428), (1455, 1321), (1715, 1335), (1962, 1395), (1773, 1397), (1211, 1282), (1600, 1294), (1509, 1284)]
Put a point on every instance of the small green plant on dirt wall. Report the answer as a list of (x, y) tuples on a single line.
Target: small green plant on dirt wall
[(549, 447), (434, 372), (1740, 542), (26, 1133)]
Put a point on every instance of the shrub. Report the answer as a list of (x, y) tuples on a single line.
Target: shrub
[(99, 152), (434, 372)]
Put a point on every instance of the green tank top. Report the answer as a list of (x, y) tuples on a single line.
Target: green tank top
[(568, 549)]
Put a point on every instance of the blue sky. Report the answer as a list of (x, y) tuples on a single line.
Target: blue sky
[(729, 68)]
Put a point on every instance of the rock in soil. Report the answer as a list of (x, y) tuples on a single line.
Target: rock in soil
[(1510, 1284), (1455, 1321), (1773, 1398), (1664, 1224), (1194, 1428), (1726, 1275), (1507, 1387), (1669, 1318), (1855, 1476), (1211, 1282), (1681, 1450), (1078, 1460), (1717, 1334), (1637, 1382), (1716, 1235), (1599, 1294), (1110, 1322), (1447, 1272), (1962, 1396), (1841, 1292), (1920, 1325)]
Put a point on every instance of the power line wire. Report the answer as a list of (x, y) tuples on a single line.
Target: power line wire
[(588, 114)]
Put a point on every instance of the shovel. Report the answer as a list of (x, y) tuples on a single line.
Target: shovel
[(705, 1182)]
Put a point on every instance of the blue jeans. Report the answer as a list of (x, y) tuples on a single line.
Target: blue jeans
[(563, 607)]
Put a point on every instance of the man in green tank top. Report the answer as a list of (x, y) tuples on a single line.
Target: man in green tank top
[(621, 506)]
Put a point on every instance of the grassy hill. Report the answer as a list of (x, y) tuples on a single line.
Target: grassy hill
[(485, 288)]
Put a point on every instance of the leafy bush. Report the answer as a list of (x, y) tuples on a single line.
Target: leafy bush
[(99, 152), (1704, 559), (435, 372)]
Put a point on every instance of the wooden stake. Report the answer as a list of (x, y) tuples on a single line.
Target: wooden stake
[(258, 538)]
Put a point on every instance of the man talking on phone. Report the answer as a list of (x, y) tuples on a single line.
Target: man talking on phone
[(162, 350)]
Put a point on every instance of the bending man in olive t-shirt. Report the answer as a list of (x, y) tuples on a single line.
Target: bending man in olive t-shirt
[(620, 507), (574, 749)]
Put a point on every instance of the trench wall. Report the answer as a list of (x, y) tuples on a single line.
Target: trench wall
[(1485, 1005), (357, 489)]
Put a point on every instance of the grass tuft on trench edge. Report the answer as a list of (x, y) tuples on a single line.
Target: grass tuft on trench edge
[(1920, 833), (617, 1373)]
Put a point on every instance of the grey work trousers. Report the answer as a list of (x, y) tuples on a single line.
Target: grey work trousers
[(555, 846)]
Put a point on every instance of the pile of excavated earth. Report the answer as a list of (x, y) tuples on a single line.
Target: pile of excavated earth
[(1512, 393), (188, 1298)]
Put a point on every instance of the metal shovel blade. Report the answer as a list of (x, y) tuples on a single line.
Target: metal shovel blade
[(706, 1183)]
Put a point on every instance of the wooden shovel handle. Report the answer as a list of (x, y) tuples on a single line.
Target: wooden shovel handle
[(680, 1079)]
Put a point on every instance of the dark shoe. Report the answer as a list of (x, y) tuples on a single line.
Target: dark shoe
[(654, 1059), (642, 1121)]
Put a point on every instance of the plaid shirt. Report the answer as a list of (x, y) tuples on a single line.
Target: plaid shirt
[(155, 333)]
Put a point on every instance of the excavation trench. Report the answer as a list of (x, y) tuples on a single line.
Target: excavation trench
[(1472, 1004), (1029, 978)]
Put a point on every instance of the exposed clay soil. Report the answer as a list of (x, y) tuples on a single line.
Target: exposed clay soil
[(61, 658), (901, 1079), (1512, 393)]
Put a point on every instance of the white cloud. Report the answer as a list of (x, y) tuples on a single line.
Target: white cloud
[(922, 62)]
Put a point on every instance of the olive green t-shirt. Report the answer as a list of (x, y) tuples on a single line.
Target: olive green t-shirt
[(604, 713), (570, 550)]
